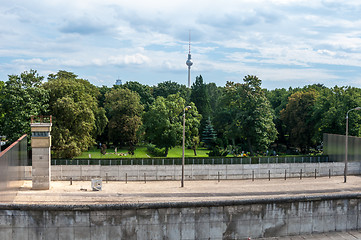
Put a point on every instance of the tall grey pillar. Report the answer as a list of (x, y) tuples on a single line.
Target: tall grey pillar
[(41, 158)]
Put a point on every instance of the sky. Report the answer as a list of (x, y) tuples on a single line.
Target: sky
[(286, 43)]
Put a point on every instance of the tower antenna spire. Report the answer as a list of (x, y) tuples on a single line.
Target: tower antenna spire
[(189, 61), (189, 41)]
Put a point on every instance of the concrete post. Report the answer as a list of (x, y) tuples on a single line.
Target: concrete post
[(41, 157)]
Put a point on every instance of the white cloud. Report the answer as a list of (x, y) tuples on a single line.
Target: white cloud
[(293, 39)]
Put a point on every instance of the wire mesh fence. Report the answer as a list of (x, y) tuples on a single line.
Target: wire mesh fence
[(194, 161)]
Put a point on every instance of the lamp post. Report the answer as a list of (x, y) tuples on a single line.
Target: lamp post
[(184, 136), (346, 142)]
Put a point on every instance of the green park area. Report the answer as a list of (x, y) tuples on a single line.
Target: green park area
[(140, 152), (144, 121)]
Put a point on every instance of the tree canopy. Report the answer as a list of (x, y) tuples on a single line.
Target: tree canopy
[(239, 114), (245, 114), (125, 117), (299, 120), (77, 116), (21, 97), (163, 121)]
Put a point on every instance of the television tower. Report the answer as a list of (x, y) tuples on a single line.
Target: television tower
[(189, 62)]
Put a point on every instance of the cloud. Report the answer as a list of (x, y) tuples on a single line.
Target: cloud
[(83, 26), (278, 39)]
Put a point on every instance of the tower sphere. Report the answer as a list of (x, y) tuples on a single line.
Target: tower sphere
[(189, 62)]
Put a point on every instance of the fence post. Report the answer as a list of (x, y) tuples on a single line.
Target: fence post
[(145, 178), (126, 177), (285, 174), (329, 173), (252, 175), (269, 175), (315, 173), (71, 181), (219, 177), (301, 174), (106, 177)]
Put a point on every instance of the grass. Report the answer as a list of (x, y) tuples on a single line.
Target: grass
[(141, 152)]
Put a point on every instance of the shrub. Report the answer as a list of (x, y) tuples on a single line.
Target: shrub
[(154, 151)]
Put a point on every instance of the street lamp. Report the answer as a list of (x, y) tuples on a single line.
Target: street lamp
[(346, 141), (184, 136)]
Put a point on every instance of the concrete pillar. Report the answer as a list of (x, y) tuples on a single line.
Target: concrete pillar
[(41, 158)]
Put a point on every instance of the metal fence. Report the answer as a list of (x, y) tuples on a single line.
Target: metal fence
[(12, 169), (189, 161)]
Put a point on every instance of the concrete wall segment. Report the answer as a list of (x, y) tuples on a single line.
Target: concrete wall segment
[(217, 220)]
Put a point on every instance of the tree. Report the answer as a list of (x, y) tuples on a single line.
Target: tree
[(144, 92), (199, 96), (163, 122), (167, 88), (299, 120), (246, 114), (2, 113), (278, 99), (214, 94), (77, 116), (330, 111), (125, 111), (21, 97), (209, 135)]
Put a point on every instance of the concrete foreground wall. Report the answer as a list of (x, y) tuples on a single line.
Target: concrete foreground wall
[(211, 220), (199, 172)]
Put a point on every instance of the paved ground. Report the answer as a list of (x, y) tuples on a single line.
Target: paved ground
[(80, 192), (352, 235)]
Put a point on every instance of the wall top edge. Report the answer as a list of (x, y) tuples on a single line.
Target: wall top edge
[(127, 206)]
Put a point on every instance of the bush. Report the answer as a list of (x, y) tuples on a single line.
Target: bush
[(154, 151), (218, 152)]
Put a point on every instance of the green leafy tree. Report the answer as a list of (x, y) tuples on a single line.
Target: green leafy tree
[(77, 116), (163, 122), (2, 113), (199, 96), (125, 111), (299, 120), (330, 111), (246, 114), (214, 94), (144, 91), (167, 88), (21, 97), (278, 99)]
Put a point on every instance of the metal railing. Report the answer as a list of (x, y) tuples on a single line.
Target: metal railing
[(189, 161), (12, 169)]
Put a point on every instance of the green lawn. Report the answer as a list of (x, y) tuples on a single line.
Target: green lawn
[(141, 152)]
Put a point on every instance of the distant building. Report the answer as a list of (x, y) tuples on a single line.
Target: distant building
[(118, 82)]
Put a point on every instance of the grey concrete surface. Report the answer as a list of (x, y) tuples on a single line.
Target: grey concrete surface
[(199, 172), (232, 209)]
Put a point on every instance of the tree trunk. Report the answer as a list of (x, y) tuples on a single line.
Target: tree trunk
[(250, 146), (166, 151), (195, 151)]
